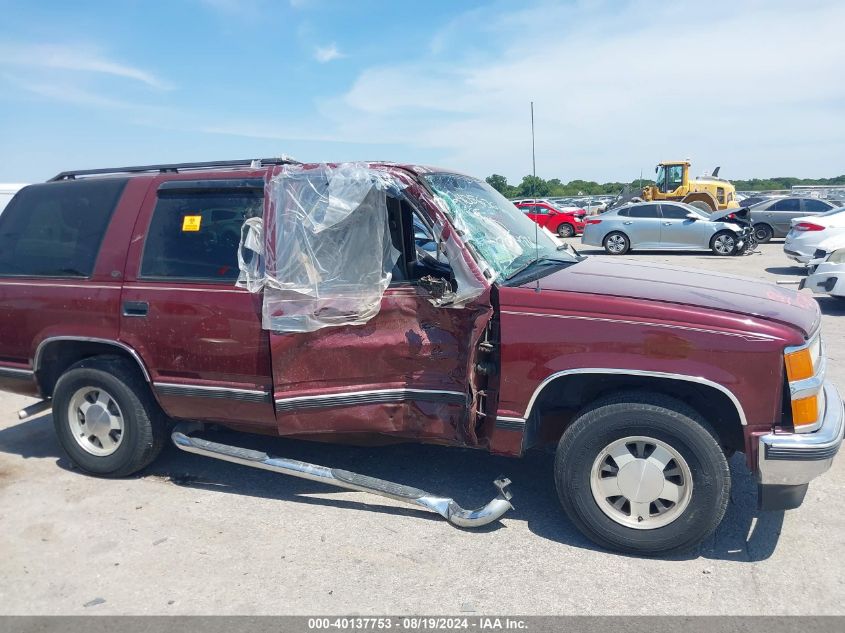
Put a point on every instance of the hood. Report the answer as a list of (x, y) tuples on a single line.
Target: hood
[(720, 216), (687, 286)]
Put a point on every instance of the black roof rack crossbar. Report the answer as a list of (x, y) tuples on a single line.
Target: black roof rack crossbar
[(173, 167)]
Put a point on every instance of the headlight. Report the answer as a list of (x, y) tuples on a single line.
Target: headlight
[(837, 257)]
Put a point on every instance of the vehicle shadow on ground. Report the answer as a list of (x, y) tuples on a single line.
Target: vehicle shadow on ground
[(832, 306), (463, 474), (787, 270)]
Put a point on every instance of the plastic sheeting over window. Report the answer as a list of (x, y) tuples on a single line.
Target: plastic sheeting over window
[(324, 254)]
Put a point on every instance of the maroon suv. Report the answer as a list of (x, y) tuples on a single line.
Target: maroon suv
[(391, 300)]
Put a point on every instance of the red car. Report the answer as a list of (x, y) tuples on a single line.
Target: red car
[(563, 222), (155, 303)]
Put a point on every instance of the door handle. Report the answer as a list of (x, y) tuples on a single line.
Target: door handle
[(628, 222), (135, 308), (667, 224)]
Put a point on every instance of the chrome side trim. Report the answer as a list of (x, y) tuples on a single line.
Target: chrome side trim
[(36, 361), (375, 396), (14, 372), (748, 337), (444, 506), (636, 372), (205, 391), (510, 424)]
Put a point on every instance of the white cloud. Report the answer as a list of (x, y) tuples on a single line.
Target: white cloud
[(77, 58), (753, 87), (325, 54)]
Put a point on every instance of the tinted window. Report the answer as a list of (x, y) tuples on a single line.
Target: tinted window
[(55, 229), (643, 211), (815, 206), (672, 212), (623, 213), (786, 204), (196, 235)]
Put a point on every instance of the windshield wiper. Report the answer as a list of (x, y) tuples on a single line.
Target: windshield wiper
[(539, 260)]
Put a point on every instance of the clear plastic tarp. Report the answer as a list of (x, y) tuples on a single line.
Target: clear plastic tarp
[(324, 255)]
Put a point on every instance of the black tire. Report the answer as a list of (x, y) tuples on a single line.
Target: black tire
[(625, 243), (566, 230), (145, 425), (763, 233), (714, 243), (662, 418)]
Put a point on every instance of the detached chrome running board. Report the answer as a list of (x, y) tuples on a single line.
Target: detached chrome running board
[(445, 507)]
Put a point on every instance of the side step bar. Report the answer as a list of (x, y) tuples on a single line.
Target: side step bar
[(443, 506), (32, 409)]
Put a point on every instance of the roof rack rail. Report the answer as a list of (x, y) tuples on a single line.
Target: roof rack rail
[(175, 167)]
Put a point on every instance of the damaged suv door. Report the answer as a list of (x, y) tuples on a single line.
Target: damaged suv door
[(404, 369)]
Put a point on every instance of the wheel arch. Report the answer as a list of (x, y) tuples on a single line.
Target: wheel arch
[(55, 354), (573, 390)]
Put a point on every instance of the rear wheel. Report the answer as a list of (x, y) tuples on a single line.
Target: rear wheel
[(106, 418), (724, 243), (565, 230), (763, 233), (642, 473), (617, 243)]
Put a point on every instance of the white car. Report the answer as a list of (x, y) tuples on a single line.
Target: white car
[(829, 275), (807, 233)]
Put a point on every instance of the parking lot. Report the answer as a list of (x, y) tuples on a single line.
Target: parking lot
[(193, 535)]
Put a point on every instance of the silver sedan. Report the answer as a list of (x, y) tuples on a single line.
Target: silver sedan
[(659, 226)]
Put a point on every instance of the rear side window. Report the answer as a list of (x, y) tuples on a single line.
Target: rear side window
[(786, 204), (815, 206), (195, 235), (55, 229), (643, 211)]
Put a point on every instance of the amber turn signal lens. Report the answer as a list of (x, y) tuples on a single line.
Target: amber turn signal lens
[(805, 411), (799, 365)]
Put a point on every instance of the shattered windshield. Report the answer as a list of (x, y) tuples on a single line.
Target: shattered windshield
[(500, 233)]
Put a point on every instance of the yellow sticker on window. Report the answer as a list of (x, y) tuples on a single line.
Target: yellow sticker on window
[(191, 223)]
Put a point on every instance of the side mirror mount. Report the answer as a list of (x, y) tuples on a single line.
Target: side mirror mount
[(435, 286)]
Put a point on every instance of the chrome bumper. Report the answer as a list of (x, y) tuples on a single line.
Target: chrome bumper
[(795, 459)]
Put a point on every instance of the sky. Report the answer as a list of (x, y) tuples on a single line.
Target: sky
[(755, 87)]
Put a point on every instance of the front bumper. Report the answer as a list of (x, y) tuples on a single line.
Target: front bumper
[(788, 462)]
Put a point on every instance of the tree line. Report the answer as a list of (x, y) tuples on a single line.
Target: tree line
[(534, 186)]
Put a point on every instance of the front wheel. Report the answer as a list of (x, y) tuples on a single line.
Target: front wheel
[(642, 473), (617, 243), (565, 230), (724, 243)]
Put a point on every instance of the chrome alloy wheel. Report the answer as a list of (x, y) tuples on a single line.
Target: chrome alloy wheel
[(616, 243), (95, 421), (724, 244), (641, 482)]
